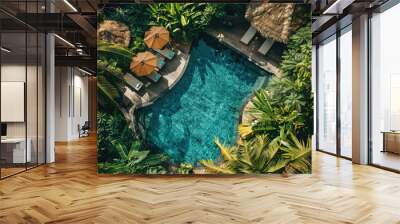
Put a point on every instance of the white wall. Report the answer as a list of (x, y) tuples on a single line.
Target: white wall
[(61, 103), (71, 102), (33, 126), (12, 73)]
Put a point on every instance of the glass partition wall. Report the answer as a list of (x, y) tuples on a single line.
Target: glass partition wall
[(22, 77), (327, 95), (385, 89), (345, 91), (334, 94)]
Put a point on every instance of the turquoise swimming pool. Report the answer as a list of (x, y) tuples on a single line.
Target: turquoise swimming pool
[(204, 104)]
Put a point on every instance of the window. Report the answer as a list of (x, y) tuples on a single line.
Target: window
[(346, 92), (327, 95), (385, 89)]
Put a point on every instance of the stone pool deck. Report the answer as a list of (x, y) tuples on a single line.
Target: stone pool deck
[(171, 73), (231, 36)]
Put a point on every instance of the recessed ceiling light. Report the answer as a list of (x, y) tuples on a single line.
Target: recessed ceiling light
[(337, 7), (70, 5), (84, 71), (5, 50), (64, 40)]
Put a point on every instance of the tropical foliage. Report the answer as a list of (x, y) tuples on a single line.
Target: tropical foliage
[(111, 126), (184, 168), (112, 61), (132, 160), (136, 17), (259, 156), (278, 141), (184, 20), (286, 103), (227, 11)]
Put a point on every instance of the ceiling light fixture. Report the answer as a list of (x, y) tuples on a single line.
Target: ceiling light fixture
[(70, 5), (64, 40), (84, 71), (5, 50), (337, 7)]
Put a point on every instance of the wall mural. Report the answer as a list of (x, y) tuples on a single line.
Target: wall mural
[(204, 88)]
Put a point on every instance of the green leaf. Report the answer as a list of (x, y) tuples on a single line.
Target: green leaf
[(184, 21)]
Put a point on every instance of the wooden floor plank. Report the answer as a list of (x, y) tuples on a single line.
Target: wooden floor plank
[(70, 191)]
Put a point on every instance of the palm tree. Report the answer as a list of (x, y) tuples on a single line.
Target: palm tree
[(110, 83), (259, 156)]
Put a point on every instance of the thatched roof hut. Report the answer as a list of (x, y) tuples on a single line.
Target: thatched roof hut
[(114, 32), (273, 20)]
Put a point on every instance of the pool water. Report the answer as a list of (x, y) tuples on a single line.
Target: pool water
[(205, 104)]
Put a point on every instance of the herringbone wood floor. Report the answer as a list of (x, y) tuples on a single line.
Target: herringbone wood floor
[(70, 191)]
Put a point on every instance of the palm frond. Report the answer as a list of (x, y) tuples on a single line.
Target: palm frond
[(212, 168), (104, 47), (226, 152)]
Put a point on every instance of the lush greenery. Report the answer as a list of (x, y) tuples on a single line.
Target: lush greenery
[(258, 156), (184, 168), (120, 152), (229, 11), (113, 62), (286, 103), (278, 141), (283, 113), (132, 160), (111, 126), (136, 17), (184, 20)]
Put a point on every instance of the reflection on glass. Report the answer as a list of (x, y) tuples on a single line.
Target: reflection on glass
[(41, 99), (22, 90), (346, 93), (327, 95), (14, 153), (385, 89), (31, 101)]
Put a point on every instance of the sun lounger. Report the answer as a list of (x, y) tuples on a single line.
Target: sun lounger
[(266, 46), (248, 36), (160, 63), (166, 53), (133, 82), (154, 77)]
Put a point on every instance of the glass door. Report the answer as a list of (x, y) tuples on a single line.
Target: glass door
[(22, 78), (326, 94), (14, 154), (385, 89)]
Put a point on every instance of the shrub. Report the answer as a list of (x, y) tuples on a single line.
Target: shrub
[(133, 160), (111, 126), (286, 103), (258, 156), (135, 16), (184, 20)]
